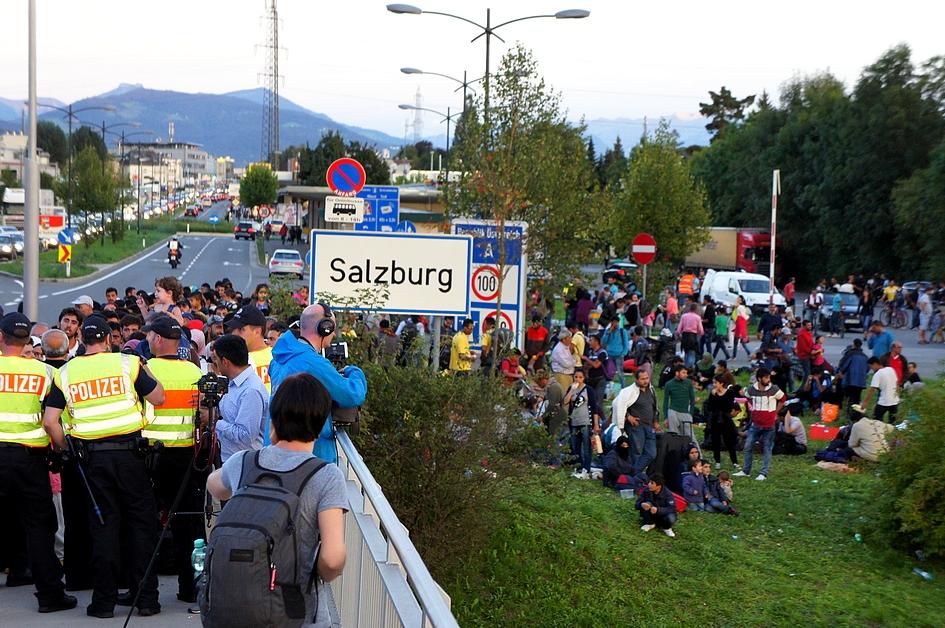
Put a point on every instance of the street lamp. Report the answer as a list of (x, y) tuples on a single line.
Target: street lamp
[(121, 164), (488, 29), (105, 128), (464, 84), (70, 114), (446, 118)]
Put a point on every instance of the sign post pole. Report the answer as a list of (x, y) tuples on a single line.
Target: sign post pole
[(68, 269), (435, 324), (644, 280), (775, 190)]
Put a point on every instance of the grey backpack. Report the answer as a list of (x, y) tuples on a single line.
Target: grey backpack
[(254, 573)]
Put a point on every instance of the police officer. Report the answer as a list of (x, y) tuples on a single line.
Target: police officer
[(103, 392), (24, 471), (172, 424)]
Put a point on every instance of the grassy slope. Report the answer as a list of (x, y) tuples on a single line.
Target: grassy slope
[(570, 553)]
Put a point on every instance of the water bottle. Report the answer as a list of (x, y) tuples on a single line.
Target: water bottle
[(198, 556), (923, 574)]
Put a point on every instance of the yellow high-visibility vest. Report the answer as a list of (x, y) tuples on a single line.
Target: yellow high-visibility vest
[(100, 395), (24, 383), (172, 422), (260, 360)]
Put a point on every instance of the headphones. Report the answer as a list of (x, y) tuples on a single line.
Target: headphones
[(326, 326)]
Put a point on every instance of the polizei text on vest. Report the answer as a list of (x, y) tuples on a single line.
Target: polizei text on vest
[(391, 274)]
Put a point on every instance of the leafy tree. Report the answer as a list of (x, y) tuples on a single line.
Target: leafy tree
[(329, 148), (93, 189), (526, 162), (86, 136), (660, 196), (376, 171), (724, 110), (259, 186), (46, 181), (51, 138), (920, 214), (613, 164)]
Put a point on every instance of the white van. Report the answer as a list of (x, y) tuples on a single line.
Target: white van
[(724, 286)]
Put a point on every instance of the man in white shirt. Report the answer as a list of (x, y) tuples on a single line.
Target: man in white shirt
[(563, 360), (924, 305), (886, 382)]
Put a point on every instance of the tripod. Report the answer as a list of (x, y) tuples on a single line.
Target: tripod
[(204, 442)]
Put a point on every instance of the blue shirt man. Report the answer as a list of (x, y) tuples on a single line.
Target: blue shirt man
[(246, 402), (880, 340), (292, 355)]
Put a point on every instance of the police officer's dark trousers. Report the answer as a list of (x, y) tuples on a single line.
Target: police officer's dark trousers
[(24, 481), (77, 545), (120, 481)]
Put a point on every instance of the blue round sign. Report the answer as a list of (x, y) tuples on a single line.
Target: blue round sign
[(66, 236), (406, 227), (308, 258)]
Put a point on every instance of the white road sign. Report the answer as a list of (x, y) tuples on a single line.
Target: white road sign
[(424, 274), (344, 209)]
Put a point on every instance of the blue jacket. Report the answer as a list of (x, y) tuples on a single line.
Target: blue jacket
[(616, 343), (880, 344), (291, 356), (694, 488), (853, 365)]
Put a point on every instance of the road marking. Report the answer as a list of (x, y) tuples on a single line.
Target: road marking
[(18, 282), (197, 256)]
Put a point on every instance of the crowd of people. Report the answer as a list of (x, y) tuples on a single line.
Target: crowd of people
[(116, 412)]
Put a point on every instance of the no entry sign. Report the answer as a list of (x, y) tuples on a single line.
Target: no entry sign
[(345, 177), (643, 248)]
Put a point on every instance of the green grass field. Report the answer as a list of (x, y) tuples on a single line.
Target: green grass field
[(567, 552)]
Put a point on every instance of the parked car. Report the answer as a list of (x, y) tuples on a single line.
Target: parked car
[(909, 288), (17, 241), (850, 305), (7, 250), (724, 286), (192, 211), (619, 269), (8, 229), (246, 230), (286, 262)]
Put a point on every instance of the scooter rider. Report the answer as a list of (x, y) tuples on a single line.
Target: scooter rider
[(174, 246)]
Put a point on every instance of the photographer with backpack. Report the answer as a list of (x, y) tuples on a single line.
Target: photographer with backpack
[(282, 529)]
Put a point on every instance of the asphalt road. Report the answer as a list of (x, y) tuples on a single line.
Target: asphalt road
[(206, 258)]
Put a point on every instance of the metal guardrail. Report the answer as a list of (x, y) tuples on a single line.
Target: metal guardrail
[(384, 582)]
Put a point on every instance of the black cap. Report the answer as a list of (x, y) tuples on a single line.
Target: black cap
[(16, 325), (164, 326), (246, 315), (95, 328)]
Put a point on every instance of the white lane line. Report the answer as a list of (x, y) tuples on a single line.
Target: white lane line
[(123, 268), (197, 256), (18, 282)]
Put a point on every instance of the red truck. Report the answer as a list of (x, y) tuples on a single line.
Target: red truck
[(733, 248)]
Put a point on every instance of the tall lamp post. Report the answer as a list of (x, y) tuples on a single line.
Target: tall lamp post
[(488, 29), (121, 166), (104, 129), (464, 84), (71, 112)]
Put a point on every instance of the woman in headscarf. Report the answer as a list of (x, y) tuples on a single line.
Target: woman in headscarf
[(618, 470)]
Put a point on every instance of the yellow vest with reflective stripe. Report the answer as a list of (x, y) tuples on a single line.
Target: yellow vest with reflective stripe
[(260, 360), (100, 395), (24, 383), (172, 422)]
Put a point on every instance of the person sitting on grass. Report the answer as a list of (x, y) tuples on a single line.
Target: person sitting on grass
[(718, 499), (691, 453), (618, 469), (694, 487), (791, 436), (657, 506), (726, 485)]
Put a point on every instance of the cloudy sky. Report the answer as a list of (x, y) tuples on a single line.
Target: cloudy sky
[(628, 59)]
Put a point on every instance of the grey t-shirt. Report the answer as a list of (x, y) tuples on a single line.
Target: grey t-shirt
[(325, 490), (644, 408)]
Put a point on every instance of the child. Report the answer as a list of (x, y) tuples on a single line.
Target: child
[(694, 487), (817, 360), (721, 332), (718, 500), (657, 506), (725, 483)]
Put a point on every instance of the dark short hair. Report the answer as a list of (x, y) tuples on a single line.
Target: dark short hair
[(857, 343), (874, 360), (71, 311), (468, 321), (762, 372), (638, 330), (107, 290), (232, 348), (680, 367), (385, 324), (490, 320), (299, 408), (657, 478), (131, 319), (279, 327), (719, 378)]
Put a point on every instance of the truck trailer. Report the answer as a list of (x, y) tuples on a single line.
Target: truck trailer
[(734, 248)]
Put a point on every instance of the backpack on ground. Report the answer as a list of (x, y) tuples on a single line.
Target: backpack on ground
[(255, 574)]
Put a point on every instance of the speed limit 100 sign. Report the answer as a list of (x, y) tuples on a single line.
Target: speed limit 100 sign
[(485, 283)]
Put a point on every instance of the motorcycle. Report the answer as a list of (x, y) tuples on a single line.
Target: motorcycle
[(173, 257)]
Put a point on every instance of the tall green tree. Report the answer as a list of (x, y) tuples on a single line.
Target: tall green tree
[(259, 186), (93, 189), (920, 214), (659, 195), (86, 136), (51, 138), (613, 164), (376, 171), (724, 110)]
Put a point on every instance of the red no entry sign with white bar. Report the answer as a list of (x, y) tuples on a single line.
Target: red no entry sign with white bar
[(643, 248)]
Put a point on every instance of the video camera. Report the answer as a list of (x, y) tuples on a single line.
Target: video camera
[(336, 353), (212, 387)]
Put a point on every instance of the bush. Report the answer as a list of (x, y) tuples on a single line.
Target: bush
[(909, 505), (439, 444)]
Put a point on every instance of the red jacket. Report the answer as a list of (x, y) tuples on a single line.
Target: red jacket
[(805, 342)]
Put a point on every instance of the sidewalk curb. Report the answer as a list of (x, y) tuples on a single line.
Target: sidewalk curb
[(106, 269)]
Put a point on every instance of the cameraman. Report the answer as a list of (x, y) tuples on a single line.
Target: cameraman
[(246, 403), (293, 355)]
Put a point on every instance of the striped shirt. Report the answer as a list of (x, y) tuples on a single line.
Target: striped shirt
[(764, 404)]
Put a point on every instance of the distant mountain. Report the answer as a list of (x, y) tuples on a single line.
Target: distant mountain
[(691, 129), (10, 109), (224, 124)]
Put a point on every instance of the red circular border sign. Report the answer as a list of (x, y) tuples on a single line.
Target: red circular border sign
[(475, 274), (335, 168), (505, 317), (643, 239)]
